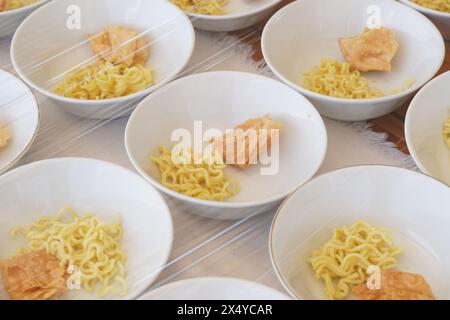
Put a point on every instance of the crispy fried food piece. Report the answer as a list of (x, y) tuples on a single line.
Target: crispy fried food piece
[(141, 56), (371, 51), (2, 5), (237, 145), (396, 285), (33, 276), (120, 45)]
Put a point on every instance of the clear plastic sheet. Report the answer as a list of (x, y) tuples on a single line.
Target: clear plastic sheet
[(201, 247)]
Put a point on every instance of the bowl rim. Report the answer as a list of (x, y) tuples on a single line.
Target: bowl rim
[(217, 280), (226, 17), (117, 101), (225, 204), (22, 9), (30, 94), (286, 284), (397, 96), (413, 106), (148, 280), (425, 9)]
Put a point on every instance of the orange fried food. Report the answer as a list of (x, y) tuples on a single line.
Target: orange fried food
[(371, 51), (396, 285), (120, 45), (247, 140), (33, 276)]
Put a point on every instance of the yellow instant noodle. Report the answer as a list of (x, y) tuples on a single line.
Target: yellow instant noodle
[(206, 7), (447, 132), (84, 242), (5, 136), (439, 5), (6, 5), (343, 261), (105, 81), (203, 180), (339, 80)]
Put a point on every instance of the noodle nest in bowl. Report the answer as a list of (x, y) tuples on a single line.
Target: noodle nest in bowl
[(87, 247), (343, 262), (105, 81), (339, 80), (447, 132), (197, 176)]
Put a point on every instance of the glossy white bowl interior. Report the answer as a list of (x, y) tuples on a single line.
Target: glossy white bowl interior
[(19, 113), (294, 41), (87, 185), (214, 288), (44, 48), (413, 206), (10, 20), (424, 123), (240, 14), (222, 100), (440, 19)]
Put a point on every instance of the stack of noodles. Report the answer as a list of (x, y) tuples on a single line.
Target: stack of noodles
[(339, 80), (82, 242), (447, 132), (342, 263), (104, 81), (206, 7), (439, 5), (5, 136), (199, 176)]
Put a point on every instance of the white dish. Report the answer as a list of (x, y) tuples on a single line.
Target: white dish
[(214, 288), (41, 63), (240, 14), (222, 100), (424, 123), (440, 19), (293, 42), (19, 113), (10, 20), (87, 185), (412, 205)]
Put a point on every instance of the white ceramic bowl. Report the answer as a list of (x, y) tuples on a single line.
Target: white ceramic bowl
[(240, 14), (294, 41), (10, 20), (214, 288), (222, 100), (413, 206), (87, 185), (426, 115), (44, 48), (440, 19), (19, 113)]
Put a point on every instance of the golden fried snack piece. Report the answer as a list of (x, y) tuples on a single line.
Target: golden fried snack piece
[(239, 146), (33, 276), (396, 285), (120, 45), (371, 51), (2, 5), (141, 56)]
